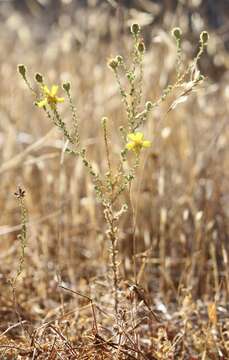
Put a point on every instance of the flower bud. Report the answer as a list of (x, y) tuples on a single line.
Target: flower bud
[(148, 105), (125, 207), (39, 78), (176, 33), (22, 70), (141, 47), (66, 86), (204, 36), (200, 78), (104, 121), (135, 29)]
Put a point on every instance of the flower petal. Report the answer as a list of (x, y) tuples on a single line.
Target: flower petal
[(130, 146), (146, 143), (46, 90), (132, 136), (139, 136), (54, 90), (60, 99)]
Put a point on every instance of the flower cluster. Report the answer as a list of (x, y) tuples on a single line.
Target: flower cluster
[(137, 142), (50, 97)]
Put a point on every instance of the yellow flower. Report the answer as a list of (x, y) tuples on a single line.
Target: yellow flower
[(137, 142), (50, 97)]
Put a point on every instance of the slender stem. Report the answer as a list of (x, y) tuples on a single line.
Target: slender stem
[(112, 234)]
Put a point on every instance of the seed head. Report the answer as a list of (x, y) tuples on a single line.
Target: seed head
[(20, 193)]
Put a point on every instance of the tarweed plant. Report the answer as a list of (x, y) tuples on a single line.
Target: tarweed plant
[(117, 179)]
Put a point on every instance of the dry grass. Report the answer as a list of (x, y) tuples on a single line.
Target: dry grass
[(63, 307)]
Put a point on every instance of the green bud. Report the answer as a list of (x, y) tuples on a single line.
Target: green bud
[(135, 29), (176, 33), (204, 37), (66, 86), (22, 70), (39, 78)]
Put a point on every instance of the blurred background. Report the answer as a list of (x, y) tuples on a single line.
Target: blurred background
[(182, 223), (69, 24)]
